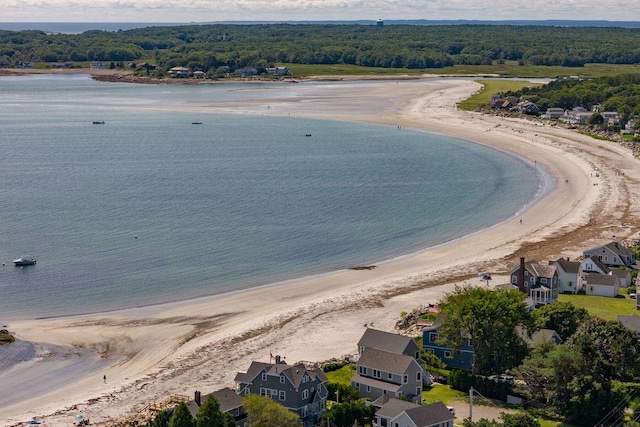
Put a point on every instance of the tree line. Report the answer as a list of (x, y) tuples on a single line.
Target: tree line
[(617, 93), (208, 47), (588, 379)]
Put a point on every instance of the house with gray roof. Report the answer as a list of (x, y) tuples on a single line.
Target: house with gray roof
[(230, 402), (568, 275), (538, 281), (390, 342), (612, 254), (394, 412), (604, 285), (381, 372), (298, 388), (632, 322)]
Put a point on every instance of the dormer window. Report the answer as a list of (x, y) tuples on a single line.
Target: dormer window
[(305, 378)]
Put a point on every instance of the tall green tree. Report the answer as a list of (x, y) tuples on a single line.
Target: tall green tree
[(562, 317), (488, 320), (264, 412), (181, 417), (161, 420), (210, 415), (346, 414)]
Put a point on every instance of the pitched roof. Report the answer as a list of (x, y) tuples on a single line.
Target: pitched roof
[(294, 373), (429, 415), (567, 266), (540, 270), (394, 407), (620, 274), (598, 263), (632, 322), (386, 341), (601, 279), (382, 385), (227, 398), (385, 361)]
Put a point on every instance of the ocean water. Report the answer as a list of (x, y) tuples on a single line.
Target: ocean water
[(149, 208)]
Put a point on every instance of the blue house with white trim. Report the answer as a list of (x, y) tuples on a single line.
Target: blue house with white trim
[(459, 359)]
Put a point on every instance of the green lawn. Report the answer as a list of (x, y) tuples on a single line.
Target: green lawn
[(341, 376), (603, 307), (442, 393), (489, 88), (506, 69)]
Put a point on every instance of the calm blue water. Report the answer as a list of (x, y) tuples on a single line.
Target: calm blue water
[(149, 208)]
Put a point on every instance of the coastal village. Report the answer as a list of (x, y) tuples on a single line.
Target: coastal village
[(388, 370)]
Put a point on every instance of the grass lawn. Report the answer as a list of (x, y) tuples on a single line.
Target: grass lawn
[(603, 307), (506, 69), (489, 88), (442, 393), (341, 376)]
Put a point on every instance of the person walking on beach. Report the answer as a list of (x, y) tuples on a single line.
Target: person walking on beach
[(104, 378)]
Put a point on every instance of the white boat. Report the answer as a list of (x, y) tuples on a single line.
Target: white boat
[(24, 260)]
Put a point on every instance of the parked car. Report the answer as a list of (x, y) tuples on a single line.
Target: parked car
[(502, 378)]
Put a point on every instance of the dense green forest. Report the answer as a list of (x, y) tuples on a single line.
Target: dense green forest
[(209, 47), (617, 93)]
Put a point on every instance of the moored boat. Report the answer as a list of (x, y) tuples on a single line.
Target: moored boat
[(24, 260)]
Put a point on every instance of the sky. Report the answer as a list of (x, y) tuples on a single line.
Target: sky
[(183, 11)]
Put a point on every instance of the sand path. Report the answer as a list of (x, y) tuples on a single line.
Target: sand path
[(153, 353)]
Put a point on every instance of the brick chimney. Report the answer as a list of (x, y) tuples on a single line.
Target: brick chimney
[(521, 276), (197, 397)]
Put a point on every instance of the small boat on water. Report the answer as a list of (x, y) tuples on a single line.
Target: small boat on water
[(24, 260), (196, 123), (98, 122)]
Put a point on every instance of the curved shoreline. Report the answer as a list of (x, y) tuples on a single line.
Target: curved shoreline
[(200, 344)]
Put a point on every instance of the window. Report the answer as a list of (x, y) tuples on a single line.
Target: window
[(305, 394), (362, 370), (533, 279), (405, 379), (418, 391), (247, 391), (447, 354), (305, 378), (389, 375), (264, 376), (418, 376), (263, 391), (433, 336), (376, 373), (368, 388), (281, 379), (570, 284), (514, 279), (383, 422), (283, 395), (543, 280)]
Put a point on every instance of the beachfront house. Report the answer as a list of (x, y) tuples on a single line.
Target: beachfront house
[(612, 254), (553, 113), (538, 281), (230, 402), (380, 373), (568, 275), (459, 359), (391, 412), (390, 342), (300, 389), (528, 107)]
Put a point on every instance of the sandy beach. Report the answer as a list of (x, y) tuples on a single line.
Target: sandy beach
[(153, 353)]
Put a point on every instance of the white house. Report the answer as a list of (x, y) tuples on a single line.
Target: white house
[(604, 285), (568, 275)]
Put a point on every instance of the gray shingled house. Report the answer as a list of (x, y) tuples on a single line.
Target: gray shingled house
[(380, 372), (387, 341), (298, 388), (230, 402), (612, 254), (394, 412)]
